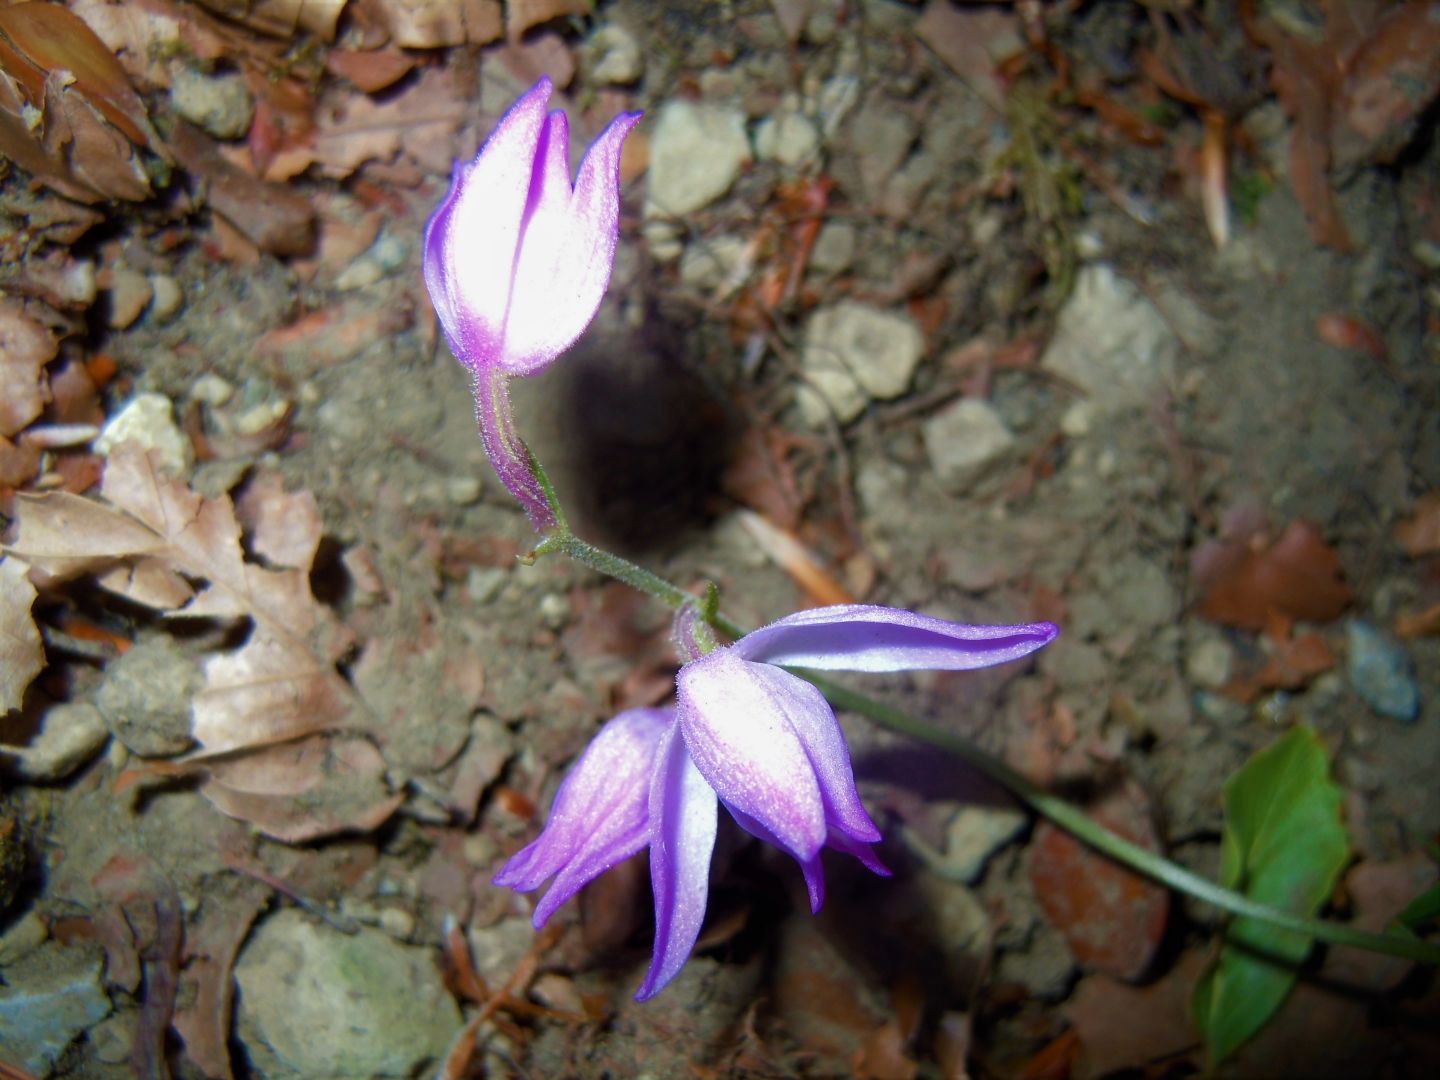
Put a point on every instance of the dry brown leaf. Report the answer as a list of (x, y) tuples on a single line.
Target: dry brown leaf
[(433, 24), (67, 112), (282, 18), (38, 41), (271, 216), (372, 70), (422, 120), (25, 348), (1111, 917), (284, 527), (1245, 580), (212, 941), (156, 538), (145, 35), (268, 691), (304, 790), (22, 656)]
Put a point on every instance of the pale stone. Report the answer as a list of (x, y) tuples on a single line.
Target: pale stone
[(1112, 343), (148, 420), (318, 1003), (169, 297), (615, 56), (218, 103), (964, 441), (788, 138), (130, 292), (854, 353), (696, 153)]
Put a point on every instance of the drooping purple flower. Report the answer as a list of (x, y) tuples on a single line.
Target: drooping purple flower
[(516, 261), (750, 735)]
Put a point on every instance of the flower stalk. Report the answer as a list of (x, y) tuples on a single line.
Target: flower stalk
[(517, 259)]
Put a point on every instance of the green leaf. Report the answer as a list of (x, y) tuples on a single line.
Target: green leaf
[(1425, 908), (1283, 845)]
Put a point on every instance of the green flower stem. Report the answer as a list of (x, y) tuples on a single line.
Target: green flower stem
[(562, 541), (1079, 824)]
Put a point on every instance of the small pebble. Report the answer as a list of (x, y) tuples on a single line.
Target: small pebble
[(210, 389), (463, 490), (616, 57), (169, 297), (129, 292), (147, 419), (362, 272), (1209, 663), (397, 922), (69, 736), (554, 610), (1379, 671), (255, 420), (483, 583)]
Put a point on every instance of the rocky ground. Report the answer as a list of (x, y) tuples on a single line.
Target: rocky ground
[(918, 304)]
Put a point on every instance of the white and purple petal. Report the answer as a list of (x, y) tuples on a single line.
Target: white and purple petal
[(864, 637), (600, 815), (736, 722), (567, 252), (819, 733), (472, 237), (683, 813)]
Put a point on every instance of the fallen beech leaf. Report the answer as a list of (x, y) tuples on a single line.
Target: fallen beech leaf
[(319, 786), (973, 42), (422, 119), (1419, 534), (271, 216), (433, 24), (268, 691), (371, 70), (1111, 917), (1304, 76), (22, 656), (25, 348), (282, 18), (67, 112), (1298, 576), (41, 39), (212, 941), (1294, 660), (146, 35), (285, 526)]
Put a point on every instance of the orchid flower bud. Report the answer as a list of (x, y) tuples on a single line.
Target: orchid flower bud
[(516, 258), (516, 261)]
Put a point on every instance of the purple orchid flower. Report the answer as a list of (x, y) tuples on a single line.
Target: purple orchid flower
[(750, 735), (517, 260)]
